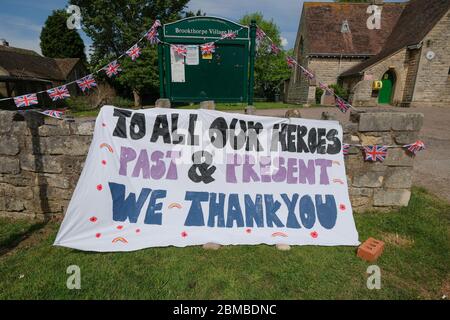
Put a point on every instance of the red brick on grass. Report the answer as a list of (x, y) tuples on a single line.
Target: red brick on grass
[(371, 249)]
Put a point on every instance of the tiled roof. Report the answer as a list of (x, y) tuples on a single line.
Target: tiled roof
[(28, 64), (323, 22), (416, 21)]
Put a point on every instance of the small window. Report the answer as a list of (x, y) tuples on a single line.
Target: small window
[(345, 27), (449, 71)]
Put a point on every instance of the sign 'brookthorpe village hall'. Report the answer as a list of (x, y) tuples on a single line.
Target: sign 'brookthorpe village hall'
[(225, 75)]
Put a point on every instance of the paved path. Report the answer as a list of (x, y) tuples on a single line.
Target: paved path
[(431, 167)]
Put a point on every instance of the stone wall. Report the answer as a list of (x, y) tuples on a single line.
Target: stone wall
[(381, 185), (433, 78), (40, 162), (42, 158)]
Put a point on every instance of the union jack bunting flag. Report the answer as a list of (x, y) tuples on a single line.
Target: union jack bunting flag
[(260, 34), (180, 50), (342, 105), (307, 73), (415, 147), (375, 153), (274, 49), (26, 100), (152, 36), (208, 48), (323, 86), (53, 113), (87, 82), (112, 69), (58, 93), (156, 24), (345, 149), (229, 35), (291, 62), (134, 52)]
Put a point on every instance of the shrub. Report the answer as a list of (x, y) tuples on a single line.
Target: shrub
[(340, 91), (319, 93)]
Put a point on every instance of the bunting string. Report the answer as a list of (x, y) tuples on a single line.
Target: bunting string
[(371, 153)]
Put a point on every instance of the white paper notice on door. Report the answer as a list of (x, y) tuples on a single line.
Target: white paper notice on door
[(192, 56), (178, 72)]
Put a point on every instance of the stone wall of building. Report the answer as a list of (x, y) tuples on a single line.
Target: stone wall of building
[(361, 94), (326, 70), (42, 158), (433, 78)]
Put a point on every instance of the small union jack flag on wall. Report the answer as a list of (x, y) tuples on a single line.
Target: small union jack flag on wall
[(87, 82), (26, 100), (345, 149), (415, 147), (291, 62), (208, 48), (342, 105), (58, 93), (134, 52), (375, 153), (53, 113), (274, 49), (112, 69), (229, 35), (180, 50)]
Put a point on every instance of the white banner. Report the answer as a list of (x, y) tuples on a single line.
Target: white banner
[(162, 177)]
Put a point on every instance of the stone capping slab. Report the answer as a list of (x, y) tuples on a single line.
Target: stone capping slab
[(387, 121)]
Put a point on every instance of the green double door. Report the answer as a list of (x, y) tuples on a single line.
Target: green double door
[(386, 92), (223, 78)]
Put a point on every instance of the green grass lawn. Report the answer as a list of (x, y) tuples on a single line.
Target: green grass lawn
[(219, 107), (415, 265)]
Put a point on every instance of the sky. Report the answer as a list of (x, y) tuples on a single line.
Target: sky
[(21, 20)]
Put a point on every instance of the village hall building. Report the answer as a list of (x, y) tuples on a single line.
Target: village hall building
[(409, 54)]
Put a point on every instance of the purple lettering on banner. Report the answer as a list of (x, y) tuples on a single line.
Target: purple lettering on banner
[(248, 171), (233, 160), (324, 164), (172, 173), (291, 171), (143, 164), (126, 155), (159, 168), (307, 172), (265, 169), (280, 175)]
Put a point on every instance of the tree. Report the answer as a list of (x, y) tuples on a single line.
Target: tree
[(115, 25), (57, 41), (270, 70)]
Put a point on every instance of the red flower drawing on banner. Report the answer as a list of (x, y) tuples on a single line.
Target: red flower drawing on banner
[(103, 124), (99, 187), (248, 230), (342, 207), (314, 234), (184, 234), (98, 235), (104, 162), (119, 227), (93, 219), (138, 230)]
